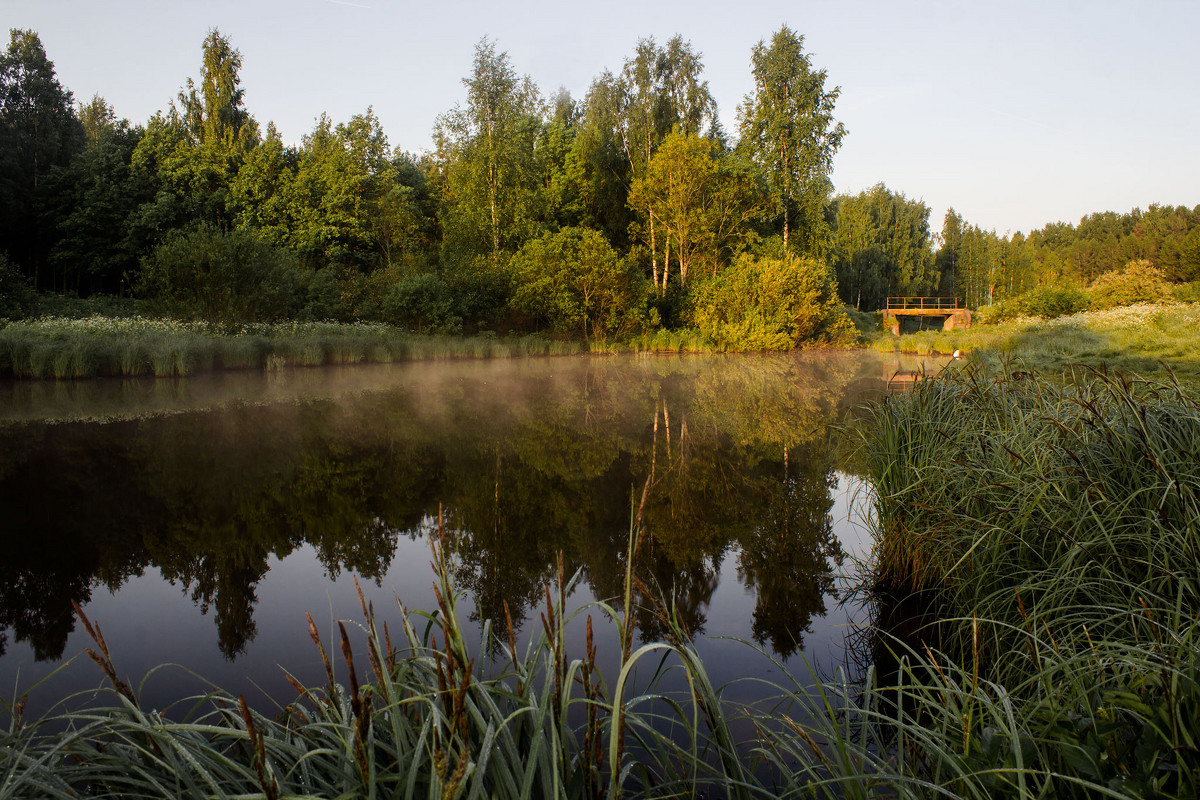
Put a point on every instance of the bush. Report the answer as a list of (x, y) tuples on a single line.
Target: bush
[(575, 281), (480, 288), (1053, 301), (69, 306), (867, 323), (771, 304), (341, 293), (1137, 282), (221, 277), (423, 303), (1187, 292), (1046, 302), (16, 295)]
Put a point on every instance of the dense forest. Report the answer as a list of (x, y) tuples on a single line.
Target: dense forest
[(624, 211)]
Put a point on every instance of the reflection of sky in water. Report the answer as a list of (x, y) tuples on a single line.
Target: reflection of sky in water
[(149, 621)]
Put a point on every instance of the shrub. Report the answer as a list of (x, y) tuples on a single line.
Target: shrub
[(227, 277), (423, 303), (1137, 282), (575, 281), (1052, 301), (1046, 302), (771, 304), (867, 323)]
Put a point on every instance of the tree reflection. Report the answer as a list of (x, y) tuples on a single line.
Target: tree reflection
[(786, 555), (551, 461)]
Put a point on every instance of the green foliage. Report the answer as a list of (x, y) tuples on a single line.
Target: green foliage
[(38, 132), (1056, 528), (226, 277), (987, 269), (868, 324), (67, 306), (771, 304), (1046, 302), (642, 160), (421, 302), (787, 127), (97, 249), (1189, 256), (882, 248), (481, 287), (703, 201), (214, 114), (491, 197), (16, 295), (1187, 292), (1137, 282), (1053, 301), (574, 280)]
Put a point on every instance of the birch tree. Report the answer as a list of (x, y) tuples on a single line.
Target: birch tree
[(787, 126)]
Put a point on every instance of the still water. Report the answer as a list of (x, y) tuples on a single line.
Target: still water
[(197, 520)]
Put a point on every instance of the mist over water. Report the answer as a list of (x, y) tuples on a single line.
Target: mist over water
[(199, 519)]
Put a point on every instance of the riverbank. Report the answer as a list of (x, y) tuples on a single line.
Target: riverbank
[(64, 348), (58, 348), (1146, 339)]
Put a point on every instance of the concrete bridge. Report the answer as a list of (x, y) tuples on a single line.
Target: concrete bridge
[(948, 309)]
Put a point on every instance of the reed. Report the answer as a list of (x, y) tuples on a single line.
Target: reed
[(1056, 529), (415, 716), (65, 348)]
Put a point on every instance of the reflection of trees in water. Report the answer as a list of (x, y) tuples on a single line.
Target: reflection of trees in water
[(523, 471), (785, 556), (62, 531)]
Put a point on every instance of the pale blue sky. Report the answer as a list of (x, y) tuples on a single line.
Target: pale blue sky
[(1016, 114)]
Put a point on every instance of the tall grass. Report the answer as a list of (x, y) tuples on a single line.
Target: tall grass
[(1055, 530), (62, 348)]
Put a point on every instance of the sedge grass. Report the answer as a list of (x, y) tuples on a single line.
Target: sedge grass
[(419, 715), (1057, 529)]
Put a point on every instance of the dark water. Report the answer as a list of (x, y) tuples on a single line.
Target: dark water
[(198, 520)]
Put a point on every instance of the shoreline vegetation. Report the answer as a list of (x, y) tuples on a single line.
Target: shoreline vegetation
[(1048, 532), (1148, 339), (1044, 517), (1143, 339)]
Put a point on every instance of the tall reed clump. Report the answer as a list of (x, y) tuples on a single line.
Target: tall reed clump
[(1056, 530)]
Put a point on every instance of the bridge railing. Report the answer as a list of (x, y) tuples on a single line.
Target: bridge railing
[(923, 304)]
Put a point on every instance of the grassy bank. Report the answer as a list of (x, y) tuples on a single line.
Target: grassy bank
[(1132, 339), (1055, 531), (59, 347)]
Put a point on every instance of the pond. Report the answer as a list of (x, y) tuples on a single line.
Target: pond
[(198, 520)]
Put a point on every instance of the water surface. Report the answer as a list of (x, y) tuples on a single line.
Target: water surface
[(197, 520)]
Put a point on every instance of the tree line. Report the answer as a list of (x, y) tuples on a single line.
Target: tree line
[(624, 211)]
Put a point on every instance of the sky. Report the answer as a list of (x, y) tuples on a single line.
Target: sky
[(1016, 114)]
